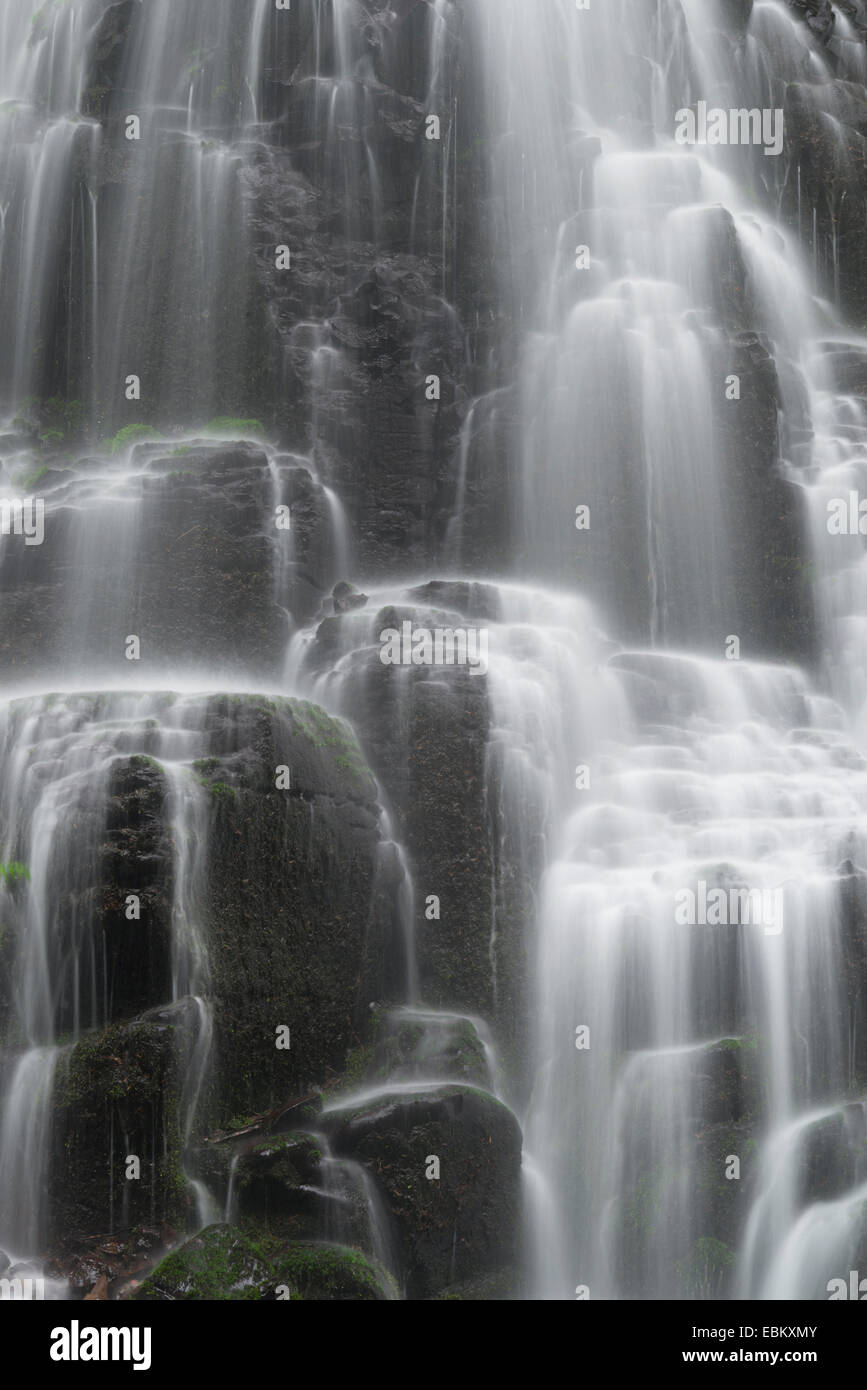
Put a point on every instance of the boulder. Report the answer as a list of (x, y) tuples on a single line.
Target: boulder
[(218, 1264), (462, 1223)]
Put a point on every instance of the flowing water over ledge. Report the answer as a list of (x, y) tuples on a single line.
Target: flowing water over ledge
[(651, 877)]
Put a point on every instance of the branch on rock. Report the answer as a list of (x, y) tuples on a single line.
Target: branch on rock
[(277, 1121)]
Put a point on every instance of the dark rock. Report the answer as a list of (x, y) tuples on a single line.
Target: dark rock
[(832, 1156), (474, 601), (137, 860), (770, 554), (725, 1078), (818, 15), (300, 877), (105, 56), (346, 598), (413, 1045), (463, 1224), (117, 1094), (273, 1181)]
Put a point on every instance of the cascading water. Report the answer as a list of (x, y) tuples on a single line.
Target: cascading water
[(65, 752), (698, 771), (211, 212)]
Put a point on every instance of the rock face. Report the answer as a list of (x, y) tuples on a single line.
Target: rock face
[(460, 1222), (303, 897), (177, 536), (106, 54), (426, 733), (119, 1093), (770, 551), (299, 903)]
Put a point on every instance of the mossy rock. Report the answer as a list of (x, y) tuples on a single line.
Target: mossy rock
[(330, 1273), (276, 1179), (219, 1264), (415, 1045), (117, 1092), (462, 1224)]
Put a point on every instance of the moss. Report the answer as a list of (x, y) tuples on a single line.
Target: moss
[(131, 434), (26, 482), (333, 735), (748, 1043), (10, 873), (221, 790), (358, 1066), (331, 1272), (219, 1264), (116, 1087)]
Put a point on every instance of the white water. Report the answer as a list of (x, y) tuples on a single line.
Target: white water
[(60, 753), (746, 774), (701, 769)]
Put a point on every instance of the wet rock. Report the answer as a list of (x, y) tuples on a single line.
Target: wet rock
[(185, 576), (818, 15), (346, 598), (300, 876), (425, 731), (833, 1160), (137, 860), (476, 602), (117, 1093), (853, 917), (273, 1182), (771, 571), (413, 1045), (105, 57), (217, 1264), (434, 777), (328, 1273), (462, 1224), (725, 1078)]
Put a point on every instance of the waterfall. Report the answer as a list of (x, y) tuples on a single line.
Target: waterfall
[(699, 770), (67, 753), (418, 322)]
